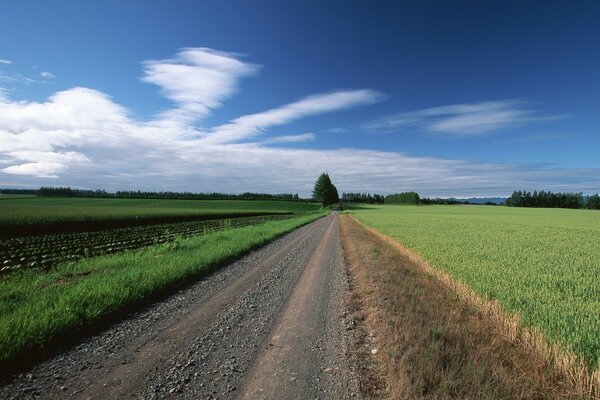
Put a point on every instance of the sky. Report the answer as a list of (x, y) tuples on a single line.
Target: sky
[(450, 99)]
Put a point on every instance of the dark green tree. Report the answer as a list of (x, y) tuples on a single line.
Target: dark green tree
[(325, 191), (593, 202), (403, 198)]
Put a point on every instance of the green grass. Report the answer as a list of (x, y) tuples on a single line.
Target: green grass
[(4, 196), (48, 210), (541, 264), (37, 307)]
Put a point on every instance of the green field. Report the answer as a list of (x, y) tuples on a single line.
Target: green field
[(38, 307), (541, 264), (50, 210)]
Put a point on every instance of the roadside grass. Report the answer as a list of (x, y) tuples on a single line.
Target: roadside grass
[(37, 308), (431, 343)]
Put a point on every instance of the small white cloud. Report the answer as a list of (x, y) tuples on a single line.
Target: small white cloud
[(197, 80), (47, 75), (459, 119), (5, 61), (304, 137), (337, 130)]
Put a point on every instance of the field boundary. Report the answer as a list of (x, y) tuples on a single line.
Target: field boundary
[(584, 381)]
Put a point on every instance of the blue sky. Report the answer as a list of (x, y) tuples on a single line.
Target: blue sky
[(456, 98)]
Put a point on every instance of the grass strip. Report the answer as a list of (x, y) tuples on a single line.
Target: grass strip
[(36, 308)]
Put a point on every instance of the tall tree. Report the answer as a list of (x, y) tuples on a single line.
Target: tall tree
[(325, 191)]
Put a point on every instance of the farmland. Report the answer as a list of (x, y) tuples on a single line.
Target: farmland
[(41, 232), (47, 251), (37, 306), (35, 215), (540, 264)]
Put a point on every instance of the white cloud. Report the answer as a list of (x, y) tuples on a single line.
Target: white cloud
[(460, 119), (47, 75), (81, 137), (43, 164), (197, 80), (337, 130), (304, 137), (5, 61), (251, 125)]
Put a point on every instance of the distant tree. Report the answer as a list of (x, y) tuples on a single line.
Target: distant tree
[(403, 198), (325, 191), (593, 202), (546, 199), (57, 192), (362, 198)]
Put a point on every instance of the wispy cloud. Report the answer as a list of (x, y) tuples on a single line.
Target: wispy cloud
[(81, 137), (47, 75), (17, 78), (460, 120), (197, 80), (539, 138), (251, 125), (304, 137), (337, 130)]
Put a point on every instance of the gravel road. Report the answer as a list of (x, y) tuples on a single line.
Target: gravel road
[(270, 325)]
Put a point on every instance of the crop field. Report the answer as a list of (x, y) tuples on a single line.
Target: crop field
[(47, 251), (41, 232), (37, 307), (40, 212), (541, 264)]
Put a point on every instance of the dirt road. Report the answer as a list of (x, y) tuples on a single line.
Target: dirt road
[(267, 326)]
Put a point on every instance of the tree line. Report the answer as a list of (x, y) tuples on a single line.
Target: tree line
[(403, 198), (326, 193), (208, 196), (138, 194), (553, 200), (362, 198)]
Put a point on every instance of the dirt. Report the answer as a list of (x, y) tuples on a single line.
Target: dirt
[(271, 325)]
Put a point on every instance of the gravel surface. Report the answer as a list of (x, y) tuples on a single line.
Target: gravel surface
[(203, 342)]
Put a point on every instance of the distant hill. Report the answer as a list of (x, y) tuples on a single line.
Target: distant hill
[(483, 200)]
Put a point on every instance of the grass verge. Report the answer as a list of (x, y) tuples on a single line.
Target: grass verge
[(431, 340), (36, 309)]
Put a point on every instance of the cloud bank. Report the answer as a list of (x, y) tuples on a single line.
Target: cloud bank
[(82, 138)]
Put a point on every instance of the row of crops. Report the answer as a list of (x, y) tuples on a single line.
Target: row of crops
[(46, 251)]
